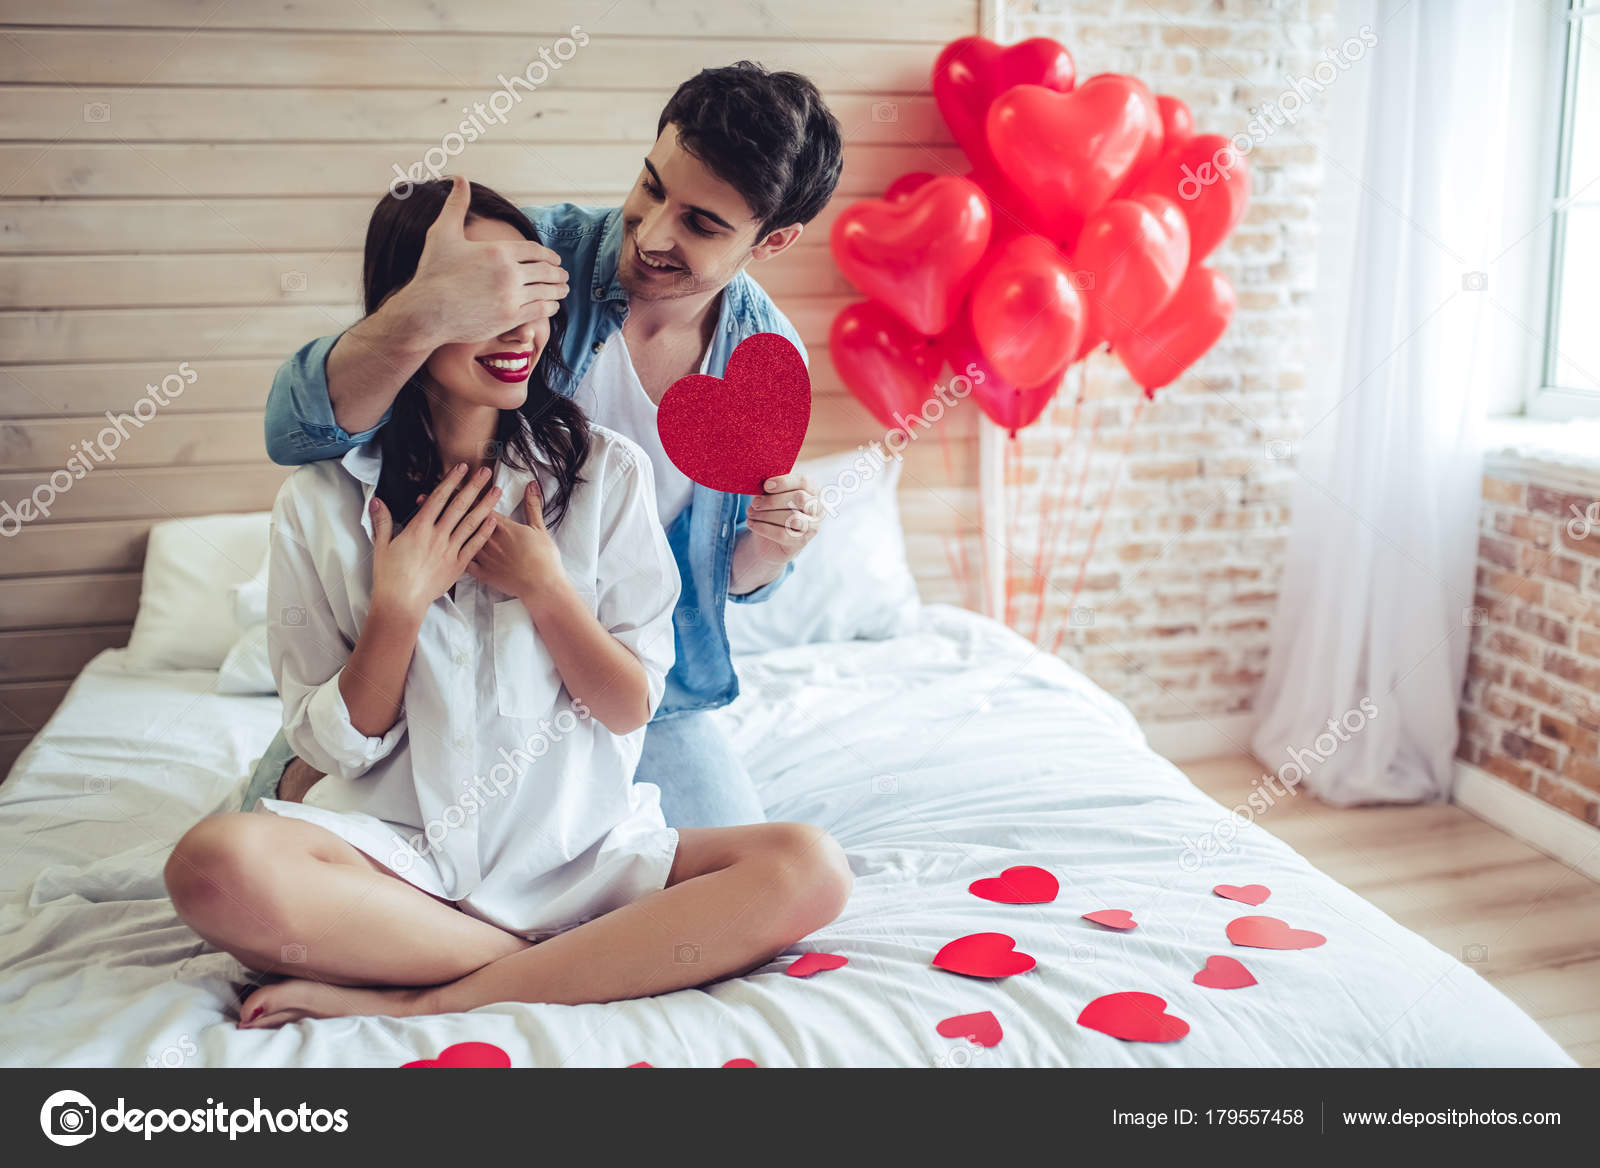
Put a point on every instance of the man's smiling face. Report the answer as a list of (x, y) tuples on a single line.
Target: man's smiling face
[(684, 230)]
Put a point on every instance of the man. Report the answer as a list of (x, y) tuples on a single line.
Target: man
[(743, 159)]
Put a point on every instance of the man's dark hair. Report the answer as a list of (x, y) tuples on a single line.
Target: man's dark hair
[(768, 135)]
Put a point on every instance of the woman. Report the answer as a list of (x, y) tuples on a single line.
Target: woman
[(473, 627)]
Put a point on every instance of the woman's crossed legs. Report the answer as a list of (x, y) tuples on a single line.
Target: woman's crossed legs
[(286, 896)]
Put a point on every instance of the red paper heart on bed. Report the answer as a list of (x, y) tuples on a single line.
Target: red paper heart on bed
[(1251, 894), (733, 433), (982, 1029), (1271, 933), (466, 1054), (984, 955), (1023, 884), (810, 963), (741, 1063), (1112, 918), (1224, 973), (1133, 1017), (632, 1066)]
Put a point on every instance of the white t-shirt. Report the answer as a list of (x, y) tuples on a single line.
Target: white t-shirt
[(492, 790), (612, 395)]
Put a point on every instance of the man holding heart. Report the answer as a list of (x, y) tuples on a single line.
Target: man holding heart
[(743, 160)]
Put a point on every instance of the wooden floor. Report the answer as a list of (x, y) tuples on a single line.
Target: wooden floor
[(1528, 923)]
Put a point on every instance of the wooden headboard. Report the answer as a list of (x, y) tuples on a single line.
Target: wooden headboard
[(187, 192)]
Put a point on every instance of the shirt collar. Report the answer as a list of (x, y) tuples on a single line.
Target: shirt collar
[(365, 464)]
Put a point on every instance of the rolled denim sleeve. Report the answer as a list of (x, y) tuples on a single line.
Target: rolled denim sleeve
[(299, 423)]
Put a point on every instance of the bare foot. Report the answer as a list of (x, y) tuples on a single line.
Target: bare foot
[(298, 998)]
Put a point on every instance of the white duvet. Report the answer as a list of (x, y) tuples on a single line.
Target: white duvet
[(935, 759)]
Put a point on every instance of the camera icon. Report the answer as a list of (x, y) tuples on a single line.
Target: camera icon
[(885, 111), (292, 282), (1083, 281), (1474, 616), (97, 785), (1279, 449), (691, 616), (68, 1118), (960, 1056), (293, 616), (885, 784), (1082, 954), (294, 954), (685, 281), (492, 449), (1475, 281), (1475, 954), (97, 111), (686, 954), (1081, 617)]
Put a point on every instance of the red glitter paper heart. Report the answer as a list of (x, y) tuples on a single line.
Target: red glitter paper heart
[(1224, 973), (740, 1063), (466, 1054), (732, 433), (1112, 918), (1023, 884), (983, 1029), (1133, 1017), (984, 955), (810, 963), (1251, 894), (1271, 933)]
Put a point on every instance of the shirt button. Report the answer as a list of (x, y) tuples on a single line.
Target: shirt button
[(597, 346), (599, 292), (459, 659)]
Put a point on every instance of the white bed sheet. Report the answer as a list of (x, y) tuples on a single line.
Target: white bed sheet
[(935, 759)]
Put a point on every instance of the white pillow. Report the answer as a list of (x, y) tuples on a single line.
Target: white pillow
[(852, 581), (186, 602), (246, 669)]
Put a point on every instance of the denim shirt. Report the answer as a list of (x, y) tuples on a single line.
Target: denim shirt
[(300, 428)]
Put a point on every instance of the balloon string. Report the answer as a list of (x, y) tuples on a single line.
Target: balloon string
[(1105, 505), (1049, 540)]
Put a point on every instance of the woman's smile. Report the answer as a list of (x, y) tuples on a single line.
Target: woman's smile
[(508, 367)]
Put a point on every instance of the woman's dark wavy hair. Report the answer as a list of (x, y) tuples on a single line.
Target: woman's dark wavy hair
[(548, 431)]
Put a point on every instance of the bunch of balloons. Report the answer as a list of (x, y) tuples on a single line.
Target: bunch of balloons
[(1084, 221)]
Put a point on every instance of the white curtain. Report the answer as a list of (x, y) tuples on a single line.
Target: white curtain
[(1370, 637)]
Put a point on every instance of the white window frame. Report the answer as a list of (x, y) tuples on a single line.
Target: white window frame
[(1547, 399)]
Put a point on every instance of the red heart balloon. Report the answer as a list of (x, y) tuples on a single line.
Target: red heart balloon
[(905, 184), (1271, 933), (1177, 123), (732, 433), (981, 1029), (1157, 352), (1027, 314), (984, 955), (916, 255), (1068, 152), (1224, 973), (466, 1054), (809, 963), (1133, 1017), (1112, 918), (1023, 884), (1251, 894), (1005, 404), (1210, 182), (739, 1062), (1154, 136), (1132, 255), (972, 71), (892, 369)]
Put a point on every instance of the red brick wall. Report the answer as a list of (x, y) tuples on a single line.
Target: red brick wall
[(1530, 714)]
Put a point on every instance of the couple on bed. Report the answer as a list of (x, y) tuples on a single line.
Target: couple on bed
[(494, 600)]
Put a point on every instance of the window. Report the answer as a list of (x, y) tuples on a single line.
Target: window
[(1570, 374)]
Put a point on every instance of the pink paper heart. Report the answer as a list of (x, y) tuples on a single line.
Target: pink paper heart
[(1112, 918), (1133, 1017), (1251, 894), (1224, 973), (1271, 933), (984, 955), (982, 1029), (466, 1054)]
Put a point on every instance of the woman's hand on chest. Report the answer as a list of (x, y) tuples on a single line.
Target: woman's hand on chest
[(412, 569), (520, 559)]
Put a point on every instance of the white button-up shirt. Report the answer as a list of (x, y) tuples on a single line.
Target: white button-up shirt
[(495, 788)]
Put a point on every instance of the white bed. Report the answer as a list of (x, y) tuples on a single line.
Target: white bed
[(935, 758)]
